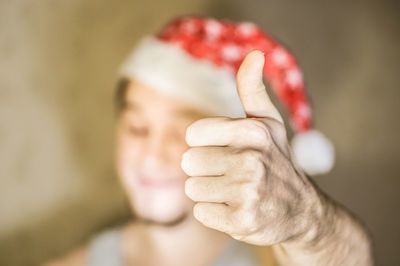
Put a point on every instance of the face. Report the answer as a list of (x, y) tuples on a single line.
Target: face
[(150, 143)]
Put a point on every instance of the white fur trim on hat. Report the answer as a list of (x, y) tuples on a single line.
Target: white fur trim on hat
[(168, 68), (313, 152)]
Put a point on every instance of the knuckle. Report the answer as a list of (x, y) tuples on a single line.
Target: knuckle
[(260, 171), (252, 165), (259, 133), (248, 191), (252, 159), (252, 198)]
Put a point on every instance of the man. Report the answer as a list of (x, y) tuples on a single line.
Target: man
[(247, 200)]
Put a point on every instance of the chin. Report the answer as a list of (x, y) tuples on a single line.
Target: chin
[(167, 206), (170, 221)]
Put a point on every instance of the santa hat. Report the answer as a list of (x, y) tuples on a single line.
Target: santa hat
[(196, 59)]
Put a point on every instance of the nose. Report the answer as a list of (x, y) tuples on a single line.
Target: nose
[(155, 153)]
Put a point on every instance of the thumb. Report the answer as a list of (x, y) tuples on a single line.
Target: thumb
[(251, 89)]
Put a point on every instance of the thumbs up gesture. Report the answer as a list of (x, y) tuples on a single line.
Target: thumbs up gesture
[(241, 173)]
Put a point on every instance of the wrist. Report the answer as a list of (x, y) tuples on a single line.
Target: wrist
[(323, 218)]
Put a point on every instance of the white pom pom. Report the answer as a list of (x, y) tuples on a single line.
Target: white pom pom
[(313, 152)]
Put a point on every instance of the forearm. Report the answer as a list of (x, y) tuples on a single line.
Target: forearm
[(341, 241)]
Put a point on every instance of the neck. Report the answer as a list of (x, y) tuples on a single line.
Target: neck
[(180, 243)]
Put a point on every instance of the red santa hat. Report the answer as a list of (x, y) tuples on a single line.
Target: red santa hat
[(196, 59)]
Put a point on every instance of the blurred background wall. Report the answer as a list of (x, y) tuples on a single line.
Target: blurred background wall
[(57, 73)]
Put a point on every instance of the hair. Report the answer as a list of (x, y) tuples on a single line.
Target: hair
[(120, 95)]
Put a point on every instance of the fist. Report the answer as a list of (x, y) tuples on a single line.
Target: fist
[(241, 173)]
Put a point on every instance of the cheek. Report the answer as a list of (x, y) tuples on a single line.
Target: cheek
[(176, 151), (176, 148), (176, 142), (127, 154)]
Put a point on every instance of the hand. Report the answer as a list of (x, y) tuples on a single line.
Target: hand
[(241, 173)]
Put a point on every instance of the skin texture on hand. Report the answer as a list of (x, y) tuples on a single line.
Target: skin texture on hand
[(245, 183), (241, 174)]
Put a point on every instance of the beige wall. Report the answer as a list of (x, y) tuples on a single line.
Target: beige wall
[(57, 72)]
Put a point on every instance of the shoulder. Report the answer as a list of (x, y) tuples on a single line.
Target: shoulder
[(76, 257), (102, 246)]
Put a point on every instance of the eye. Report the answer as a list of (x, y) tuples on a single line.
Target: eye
[(135, 130)]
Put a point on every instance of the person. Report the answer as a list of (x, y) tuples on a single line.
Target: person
[(208, 169)]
